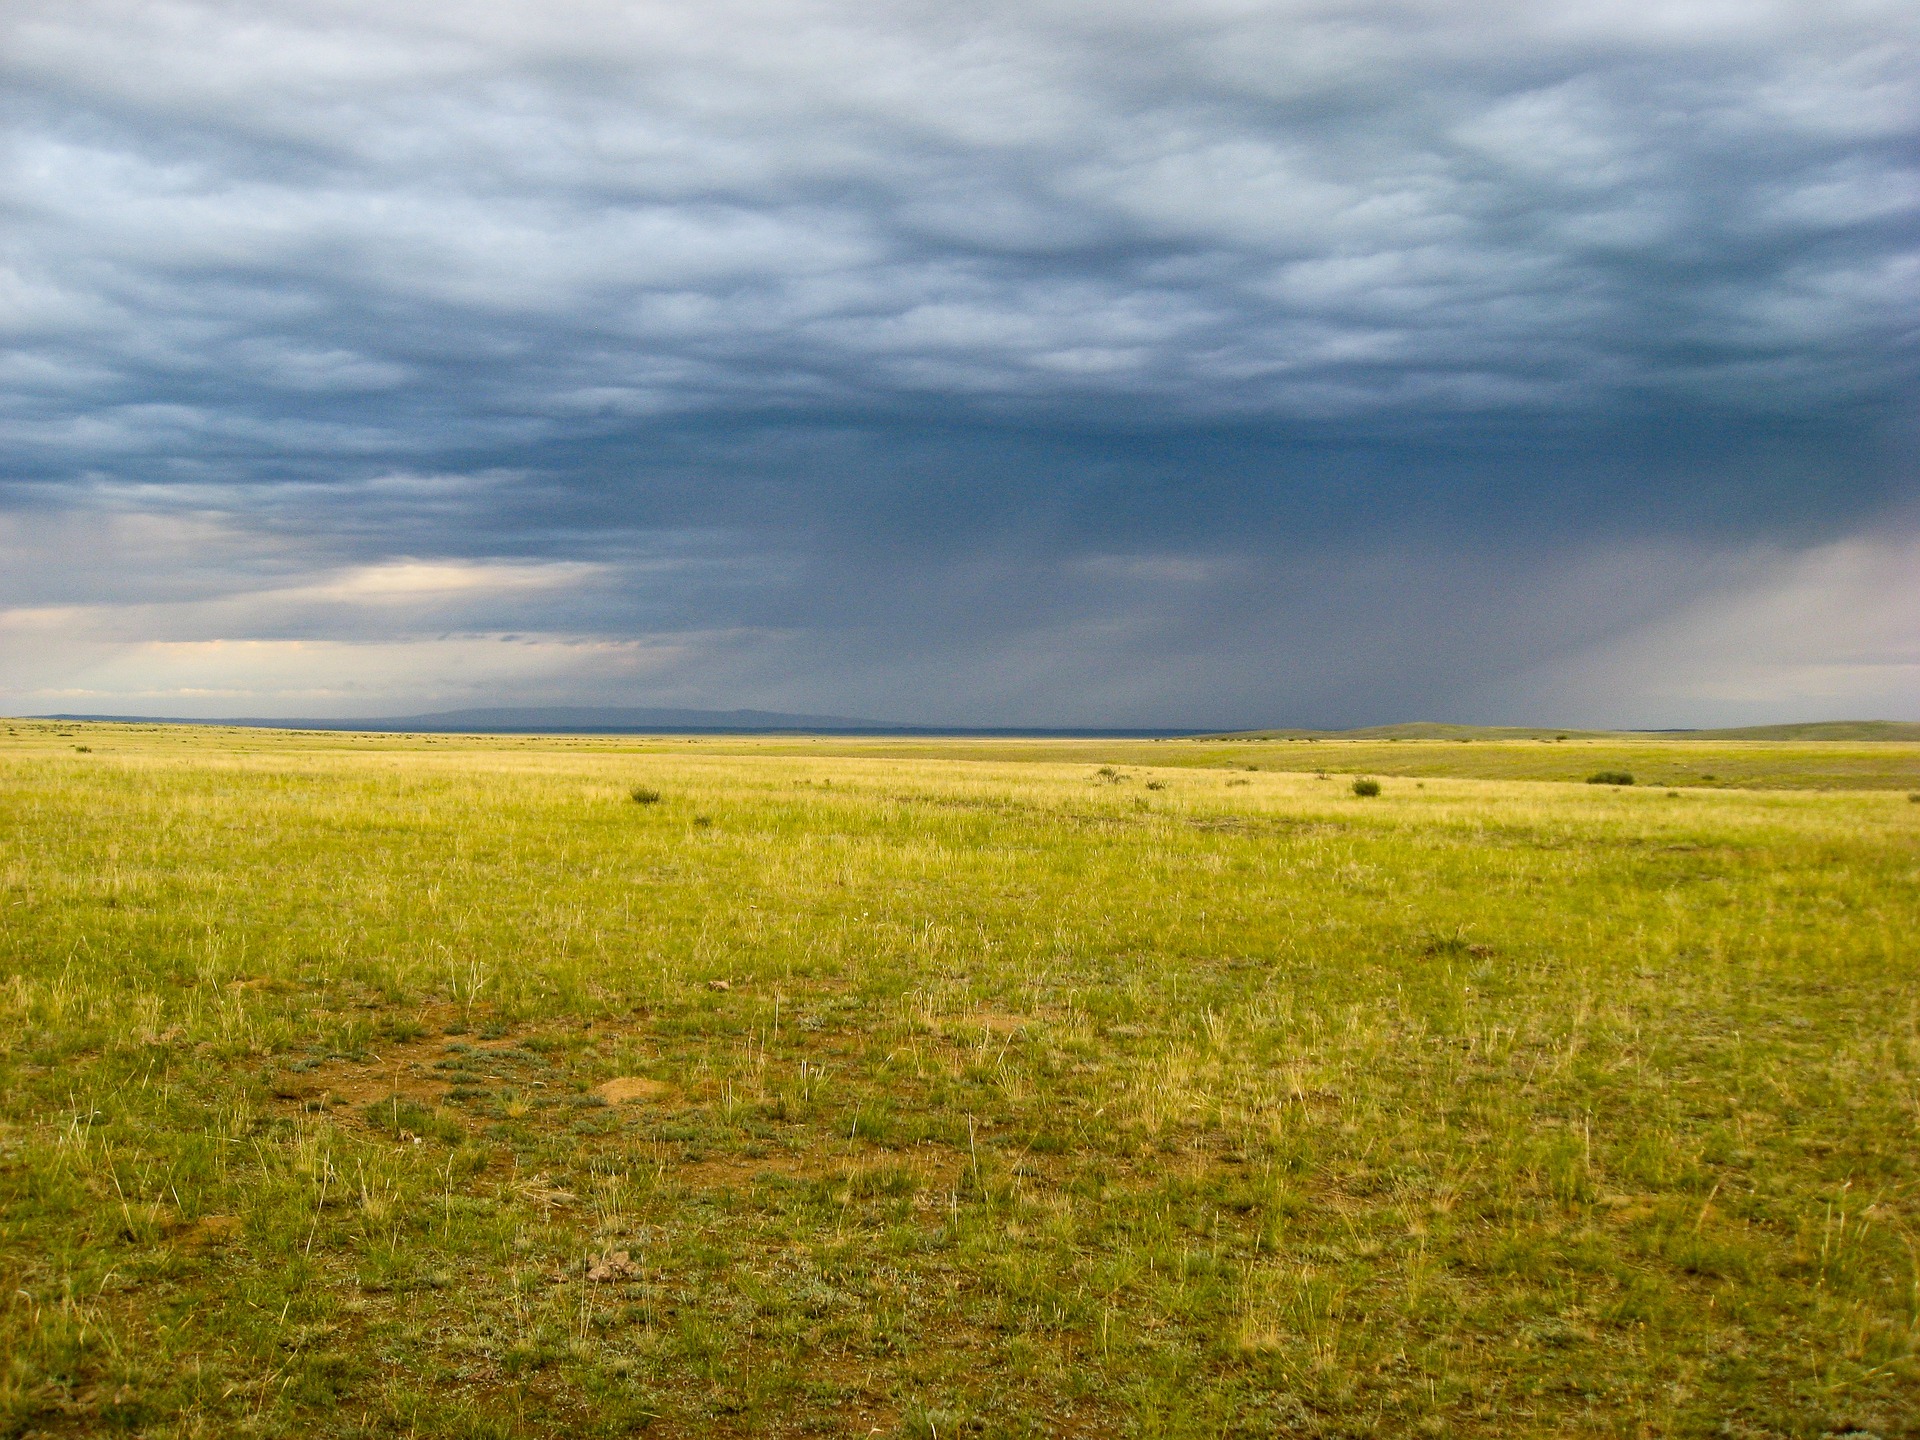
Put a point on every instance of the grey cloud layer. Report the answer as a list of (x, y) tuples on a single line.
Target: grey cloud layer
[(845, 306), (578, 210)]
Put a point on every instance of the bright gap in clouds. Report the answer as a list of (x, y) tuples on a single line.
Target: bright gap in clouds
[(1313, 361)]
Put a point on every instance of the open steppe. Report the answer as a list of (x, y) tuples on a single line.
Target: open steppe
[(360, 1085)]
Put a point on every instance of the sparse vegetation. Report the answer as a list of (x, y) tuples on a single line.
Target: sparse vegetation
[(341, 1097), (1610, 777)]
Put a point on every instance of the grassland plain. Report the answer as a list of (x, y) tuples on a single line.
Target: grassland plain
[(416, 1086)]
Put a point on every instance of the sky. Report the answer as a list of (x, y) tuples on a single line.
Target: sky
[(1135, 363)]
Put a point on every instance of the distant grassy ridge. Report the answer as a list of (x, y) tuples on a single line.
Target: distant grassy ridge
[(1668, 763), (1874, 730), (577, 720), (1811, 759), (1907, 730), (1660, 760)]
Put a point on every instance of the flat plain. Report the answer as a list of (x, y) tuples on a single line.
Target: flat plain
[(401, 1085)]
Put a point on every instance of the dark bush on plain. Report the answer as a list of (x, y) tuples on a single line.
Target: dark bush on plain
[(644, 795), (1610, 777), (1365, 787)]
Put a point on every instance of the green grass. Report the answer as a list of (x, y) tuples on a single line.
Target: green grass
[(1715, 764), (972, 1088)]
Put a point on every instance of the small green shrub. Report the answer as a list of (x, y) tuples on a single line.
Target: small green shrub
[(1610, 777), (644, 795), (1366, 786)]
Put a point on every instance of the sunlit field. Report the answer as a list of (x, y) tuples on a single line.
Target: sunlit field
[(425, 1086)]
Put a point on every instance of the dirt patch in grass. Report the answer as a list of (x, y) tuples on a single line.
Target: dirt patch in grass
[(402, 1071), (970, 1025), (431, 1068), (631, 1089)]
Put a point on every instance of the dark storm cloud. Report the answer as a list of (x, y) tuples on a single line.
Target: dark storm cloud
[(881, 329)]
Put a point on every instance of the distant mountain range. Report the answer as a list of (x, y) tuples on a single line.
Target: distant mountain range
[(616, 720), (551, 720), (630, 720)]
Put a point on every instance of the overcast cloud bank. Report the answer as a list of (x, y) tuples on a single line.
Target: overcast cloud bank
[(1201, 363)]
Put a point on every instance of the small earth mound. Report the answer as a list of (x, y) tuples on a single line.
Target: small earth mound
[(624, 1089)]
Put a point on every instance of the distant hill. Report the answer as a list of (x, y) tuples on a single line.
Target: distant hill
[(549, 720), (1819, 730), (1425, 730), (1432, 730), (631, 720), (616, 720), (1907, 730), (604, 720)]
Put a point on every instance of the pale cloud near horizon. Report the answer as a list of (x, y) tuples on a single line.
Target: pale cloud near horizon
[(322, 678), (1659, 636), (1825, 633), (1218, 361)]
